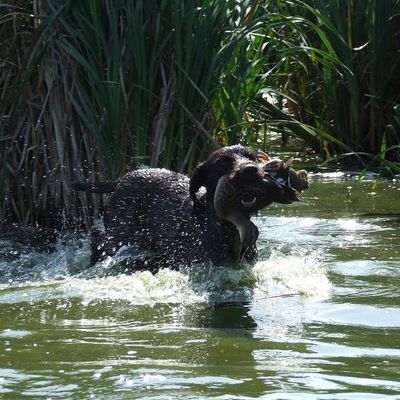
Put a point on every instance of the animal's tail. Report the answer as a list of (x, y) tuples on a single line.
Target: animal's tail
[(94, 187)]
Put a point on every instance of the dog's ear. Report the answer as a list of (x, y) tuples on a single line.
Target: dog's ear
[(207, 173)]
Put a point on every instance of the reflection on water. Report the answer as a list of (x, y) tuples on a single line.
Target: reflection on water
[(317, 317)]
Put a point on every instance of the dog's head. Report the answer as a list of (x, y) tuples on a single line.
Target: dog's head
[(256, 180), (220, 163)]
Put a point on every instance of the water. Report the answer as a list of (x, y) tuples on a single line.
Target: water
[(318, 317)]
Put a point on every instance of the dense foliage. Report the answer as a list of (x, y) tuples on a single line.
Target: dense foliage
[(90, 89)]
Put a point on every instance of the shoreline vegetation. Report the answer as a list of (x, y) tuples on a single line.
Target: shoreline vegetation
[(90, 89)]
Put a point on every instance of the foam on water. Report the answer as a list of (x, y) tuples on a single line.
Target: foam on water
[(139, 288), (64, 273), (304, 275), (279, 275)]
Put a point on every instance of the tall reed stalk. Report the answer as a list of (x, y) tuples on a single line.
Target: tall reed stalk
[(90, 89), (340, 75)]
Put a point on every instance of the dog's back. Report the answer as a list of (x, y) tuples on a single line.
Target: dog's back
[(150, 210)]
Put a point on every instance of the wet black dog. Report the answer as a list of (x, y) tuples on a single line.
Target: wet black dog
[(163, 219)]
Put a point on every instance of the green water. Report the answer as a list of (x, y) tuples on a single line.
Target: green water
[(318, 317)]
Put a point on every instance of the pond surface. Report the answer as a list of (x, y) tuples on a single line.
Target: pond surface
[(318, 317)]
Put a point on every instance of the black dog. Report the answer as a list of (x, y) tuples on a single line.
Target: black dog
[(163, 219)]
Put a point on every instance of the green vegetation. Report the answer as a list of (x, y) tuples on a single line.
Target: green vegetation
[(353, 91), (90, 89)]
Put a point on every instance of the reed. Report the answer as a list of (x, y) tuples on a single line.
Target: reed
[(340, 76), (90, 89)]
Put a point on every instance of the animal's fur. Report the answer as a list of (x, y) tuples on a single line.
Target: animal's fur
[(166, 220)]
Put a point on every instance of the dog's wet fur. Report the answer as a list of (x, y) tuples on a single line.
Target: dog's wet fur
[(160, 218)]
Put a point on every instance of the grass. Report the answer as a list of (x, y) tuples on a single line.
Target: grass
[(91, 89), (343, 79)]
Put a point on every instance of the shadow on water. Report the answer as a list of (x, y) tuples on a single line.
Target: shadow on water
[(226, 315)]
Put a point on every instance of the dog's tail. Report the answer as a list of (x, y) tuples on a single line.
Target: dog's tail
[(94, 187)]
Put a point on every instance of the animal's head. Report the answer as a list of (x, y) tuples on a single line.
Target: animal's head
[(256, 180), (239, 183), (220, 163)]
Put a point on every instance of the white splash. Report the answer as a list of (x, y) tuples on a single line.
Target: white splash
[(304, 275), (281, 274), (139, 288)]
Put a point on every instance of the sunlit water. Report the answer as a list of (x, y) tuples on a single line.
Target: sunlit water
[(318, 317)]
